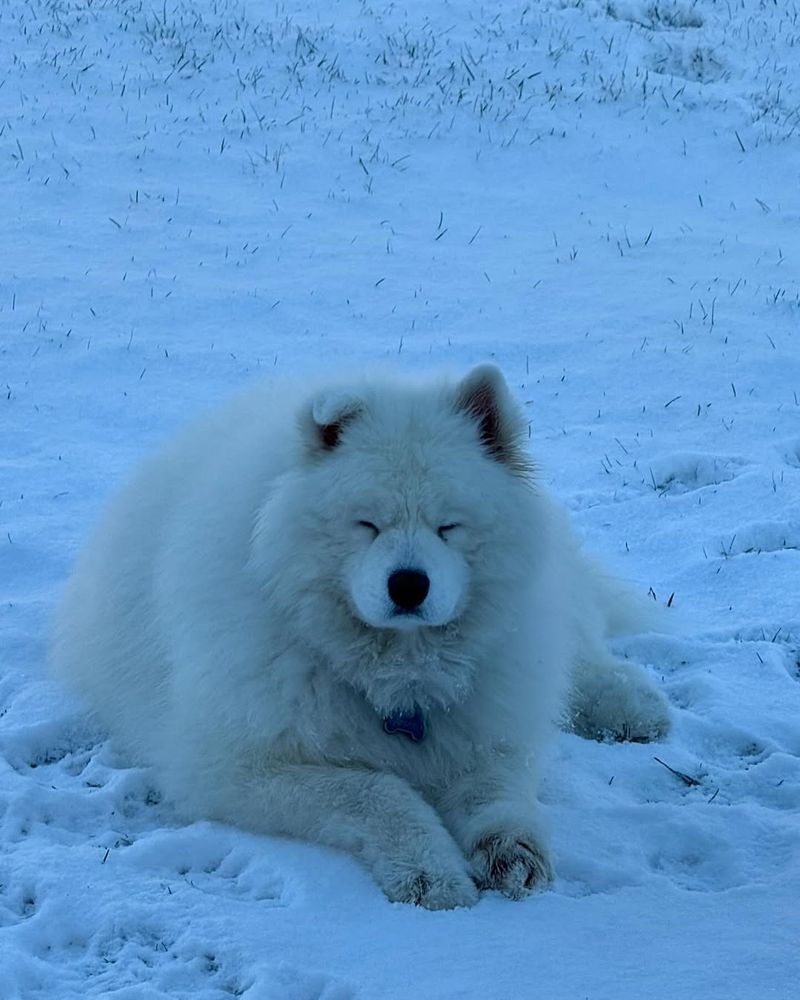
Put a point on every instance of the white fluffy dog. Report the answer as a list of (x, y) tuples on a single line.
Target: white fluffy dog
[(350, 615)]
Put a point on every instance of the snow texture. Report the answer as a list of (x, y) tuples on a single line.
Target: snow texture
[(600, 196)]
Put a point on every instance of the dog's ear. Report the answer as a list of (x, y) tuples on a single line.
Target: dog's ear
[(324, 419), (483, 395)]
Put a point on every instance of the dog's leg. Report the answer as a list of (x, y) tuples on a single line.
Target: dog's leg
[(612, 699), (377, 817), (494, 816)]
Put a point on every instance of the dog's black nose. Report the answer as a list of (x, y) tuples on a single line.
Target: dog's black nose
[(408, 588)]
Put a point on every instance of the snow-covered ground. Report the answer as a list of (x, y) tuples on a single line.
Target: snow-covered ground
[(602, 196)]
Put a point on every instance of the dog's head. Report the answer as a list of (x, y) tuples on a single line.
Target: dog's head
[(409, 483)]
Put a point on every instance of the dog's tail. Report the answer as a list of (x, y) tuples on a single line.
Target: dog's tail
[(621, 608)]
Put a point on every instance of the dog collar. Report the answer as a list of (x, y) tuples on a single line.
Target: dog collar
[(410, 724)]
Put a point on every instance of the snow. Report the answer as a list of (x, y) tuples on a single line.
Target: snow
[(604, 198)]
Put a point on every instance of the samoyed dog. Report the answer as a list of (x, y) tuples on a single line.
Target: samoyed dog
[(349, 613)]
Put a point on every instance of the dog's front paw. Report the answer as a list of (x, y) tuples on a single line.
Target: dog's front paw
[(428, 887), (514, 864)]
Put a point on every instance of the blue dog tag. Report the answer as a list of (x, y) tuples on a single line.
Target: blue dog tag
[(410, 724)]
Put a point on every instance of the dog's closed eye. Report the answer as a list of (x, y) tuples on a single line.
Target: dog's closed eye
[(444, 529), (371, 527)]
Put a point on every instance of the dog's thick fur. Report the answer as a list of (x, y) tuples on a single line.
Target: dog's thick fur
[(232, 624)]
